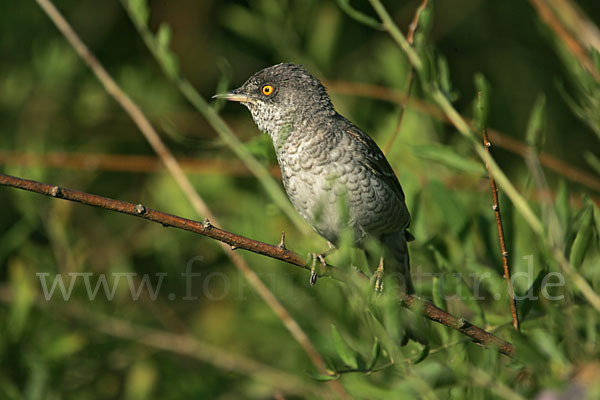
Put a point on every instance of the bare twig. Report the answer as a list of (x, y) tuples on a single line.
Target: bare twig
[(206, 228), (173, 167), (503, 251), (412, 28), (502, 180), (214, 119)]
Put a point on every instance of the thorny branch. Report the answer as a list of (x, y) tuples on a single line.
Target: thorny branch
[(278, 252), (167, 158)]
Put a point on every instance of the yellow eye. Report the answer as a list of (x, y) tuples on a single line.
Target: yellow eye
[(267, 90)]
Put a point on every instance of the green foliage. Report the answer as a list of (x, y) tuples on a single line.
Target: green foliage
[(212, 336)]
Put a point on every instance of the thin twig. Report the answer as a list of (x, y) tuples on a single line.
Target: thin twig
[(501, 179), (214, 119), (503, 251), (206, 228), (412, 28), (173, 167), (215, 166)]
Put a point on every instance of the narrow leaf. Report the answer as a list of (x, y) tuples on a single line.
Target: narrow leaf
[(532, 295), (483, 99), (139, 11), (359, 16), (447, 156), (536, 119), (423, 355), (375, 353), (582, 239), (322, 377), (347, 355)]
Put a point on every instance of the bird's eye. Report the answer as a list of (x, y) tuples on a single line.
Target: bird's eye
[(267, 90)]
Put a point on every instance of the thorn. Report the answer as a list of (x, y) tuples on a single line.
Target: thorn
[(139, 209), (463, 323), (281, 244), (495, 207), (233, 247), (505, 254), (56, 191), (206, 224)]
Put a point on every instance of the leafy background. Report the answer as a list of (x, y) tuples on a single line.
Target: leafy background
[(58, 125)]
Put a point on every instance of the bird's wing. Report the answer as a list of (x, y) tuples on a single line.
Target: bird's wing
[(374, 159)]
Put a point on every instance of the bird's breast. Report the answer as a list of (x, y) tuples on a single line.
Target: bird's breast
[(332, 190)]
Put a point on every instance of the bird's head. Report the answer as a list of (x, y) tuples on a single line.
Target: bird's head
[(281, 96)]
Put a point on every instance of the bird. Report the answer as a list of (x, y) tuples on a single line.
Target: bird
[(334, 174)]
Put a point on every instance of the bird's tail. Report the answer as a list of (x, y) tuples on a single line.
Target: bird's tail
[(397, 245)]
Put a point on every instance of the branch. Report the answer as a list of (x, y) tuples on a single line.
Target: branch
[(146, 128), (465, 130), (261, 173), (278, 252), (503, 251)]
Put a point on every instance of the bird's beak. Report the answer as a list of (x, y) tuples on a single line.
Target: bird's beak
[(234, 95)]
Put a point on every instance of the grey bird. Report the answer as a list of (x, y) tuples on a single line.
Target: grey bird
[(334, 174)]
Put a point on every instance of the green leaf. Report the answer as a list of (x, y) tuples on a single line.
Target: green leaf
[(439, 298), (561, 204), (423, 355), (347, 355), (535, 126), (139, 11), (166, 57), (452, 209), (322, 377), (375, 353), (583, 237), (449, 157), (483, 99), (592, 160), (532, 293), (163, 37), (359, 16), (443, 78)]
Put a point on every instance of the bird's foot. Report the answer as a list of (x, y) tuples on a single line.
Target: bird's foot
[(314, 274), (378, 277)]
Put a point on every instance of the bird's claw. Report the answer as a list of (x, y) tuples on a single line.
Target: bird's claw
[(313, 269), (378, 277)]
